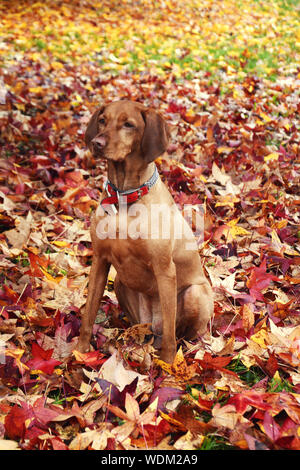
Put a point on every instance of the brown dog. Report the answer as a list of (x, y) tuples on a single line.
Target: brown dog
[(159, 280)]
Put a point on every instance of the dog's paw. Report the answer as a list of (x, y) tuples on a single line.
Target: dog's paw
[(167, 354), (82, 347)]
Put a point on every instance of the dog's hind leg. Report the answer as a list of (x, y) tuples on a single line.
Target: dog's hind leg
[(195, 309), (135, 305)]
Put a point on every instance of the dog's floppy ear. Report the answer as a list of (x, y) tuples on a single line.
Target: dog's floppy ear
[(156, 135), (92, 128)]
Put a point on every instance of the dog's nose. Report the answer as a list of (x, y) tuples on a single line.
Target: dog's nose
[(99, 142)]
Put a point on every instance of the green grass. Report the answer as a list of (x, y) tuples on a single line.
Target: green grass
[(40, 44), (279, 385), (250, 375), (215, 442), (21, 259), (56, 395)]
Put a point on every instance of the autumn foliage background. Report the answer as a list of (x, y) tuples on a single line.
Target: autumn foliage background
[(225, 74)]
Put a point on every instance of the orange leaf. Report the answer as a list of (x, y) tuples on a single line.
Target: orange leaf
[(247, 317), (179, 368)]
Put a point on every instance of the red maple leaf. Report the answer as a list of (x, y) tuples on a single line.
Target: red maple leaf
[(92, 359), (259, 279), (257, 400), (41, 359), (36, 262), (216, 363), (15, 421)]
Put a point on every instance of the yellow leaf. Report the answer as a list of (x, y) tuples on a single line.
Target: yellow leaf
[(60, 243), (36, 372), (235, 231), (282, 247), (56, 279), (132, 408), (57, 65), (224, 150), (37, 89), (17, 353), (277, 377), (179, 358), (172, 420), (233, 222), (5, 444), (66, 217), (261, 338), (281, 224), (190, 113), (179, 368), (166, 367), (35, 56), (228, 200), (79, 356), (189, 441), (271, 156), (265, 117), (248, 361), (28, 421)]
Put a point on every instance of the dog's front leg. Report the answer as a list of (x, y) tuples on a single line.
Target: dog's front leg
[(97, 283), (167, 288)]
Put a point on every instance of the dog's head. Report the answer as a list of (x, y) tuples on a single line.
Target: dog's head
[(125, 128)]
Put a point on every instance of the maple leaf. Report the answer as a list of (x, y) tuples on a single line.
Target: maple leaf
[(179, 367), (270, 427), (184, 419), (17, 353), (93, 358), (36, 314), (97, 438), (165, 394), (112, 392), (216, 363), (254, 444), (16, 420), (43, 413), (155, 434), (247, 317), (132, 416), (114, 372), (258, 400), (225, 416), (259, 280), (36, 264), (270, 367), (41, 360)]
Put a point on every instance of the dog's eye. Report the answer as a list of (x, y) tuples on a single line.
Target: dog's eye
[(128, 124), (101, 121)]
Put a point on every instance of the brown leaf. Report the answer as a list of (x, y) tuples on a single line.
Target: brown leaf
[(247, 317)]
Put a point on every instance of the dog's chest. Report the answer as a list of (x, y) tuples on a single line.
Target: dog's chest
[(132, 267)]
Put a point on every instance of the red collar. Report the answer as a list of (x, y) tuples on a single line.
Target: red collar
[(117, 197)]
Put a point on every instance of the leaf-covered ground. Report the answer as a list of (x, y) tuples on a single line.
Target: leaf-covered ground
[(226, 75)]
